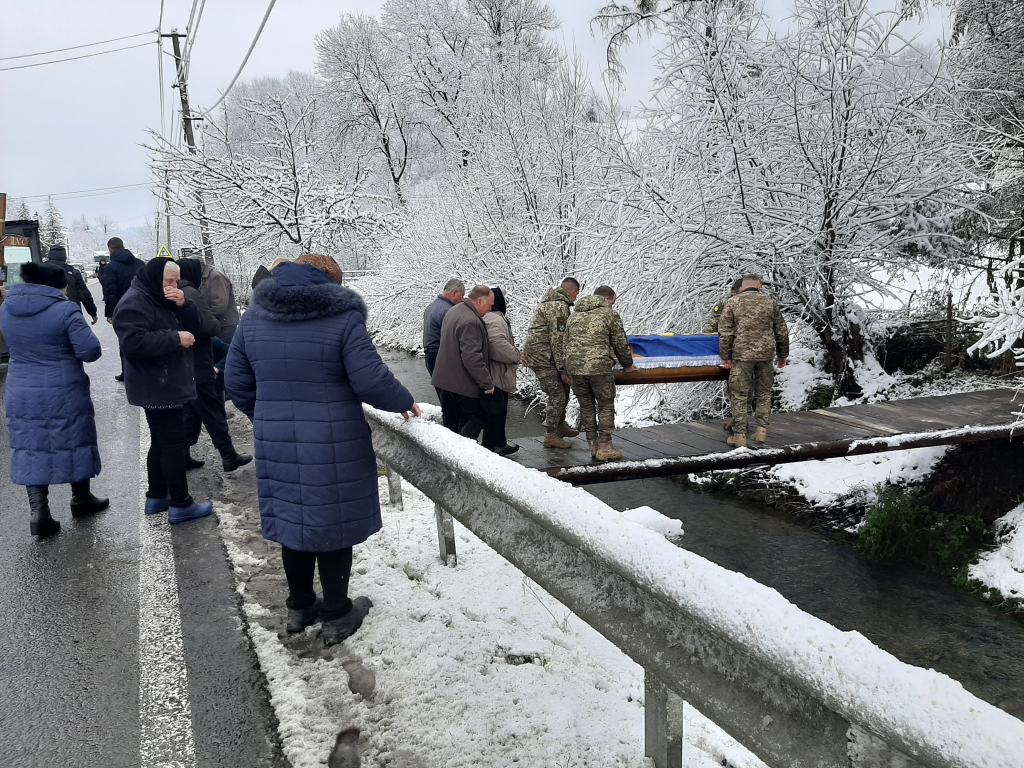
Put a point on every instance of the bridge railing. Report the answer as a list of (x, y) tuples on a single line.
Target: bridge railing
[(796, 691)]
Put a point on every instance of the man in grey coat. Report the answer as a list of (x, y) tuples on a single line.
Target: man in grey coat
[(220, 295), (454, 292), (462, 369)]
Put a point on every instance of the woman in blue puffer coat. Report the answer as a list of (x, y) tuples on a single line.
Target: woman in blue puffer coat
[(50, 418), (301, 365)]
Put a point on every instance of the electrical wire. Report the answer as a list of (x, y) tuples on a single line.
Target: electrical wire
[(84, 191), (74, 58), (76, 47), (192, 32), (245, 60)]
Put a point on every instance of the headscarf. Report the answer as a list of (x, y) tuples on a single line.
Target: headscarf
[(151, 277), (191, 270), (325, 264), (499, 301)]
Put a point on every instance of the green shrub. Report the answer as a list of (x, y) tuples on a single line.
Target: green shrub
[(900, 527), (819, 397)]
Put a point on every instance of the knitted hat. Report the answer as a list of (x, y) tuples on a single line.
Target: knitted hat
[(44, 274), (325, 264), (57, 253)]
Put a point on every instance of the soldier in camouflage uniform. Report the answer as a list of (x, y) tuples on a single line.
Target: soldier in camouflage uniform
[(711, 326), (752, 331), (544, 354), (593, 332)]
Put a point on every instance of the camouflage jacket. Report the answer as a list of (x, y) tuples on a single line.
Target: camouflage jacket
[(711, 326), (592, 333), (543, 348), (752, 328)]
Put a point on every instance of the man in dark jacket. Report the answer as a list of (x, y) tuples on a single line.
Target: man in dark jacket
[(454, 292), (116, 279), (301, 365), (220, 296), (208, 407), (462, 369), (78, 291)]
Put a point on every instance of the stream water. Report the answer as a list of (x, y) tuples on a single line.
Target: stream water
[(920, 618)]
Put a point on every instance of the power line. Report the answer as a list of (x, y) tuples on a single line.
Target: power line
[(76, 47), (247, 55), (191, 40), (84, 191), (74, 58)]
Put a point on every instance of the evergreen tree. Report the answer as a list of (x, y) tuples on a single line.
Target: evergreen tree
[(52, 230), (20, 210)]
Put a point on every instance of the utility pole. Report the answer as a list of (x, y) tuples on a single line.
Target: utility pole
[(190, 139)]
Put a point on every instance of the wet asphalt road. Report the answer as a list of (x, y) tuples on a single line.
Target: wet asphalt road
[(70, 613)]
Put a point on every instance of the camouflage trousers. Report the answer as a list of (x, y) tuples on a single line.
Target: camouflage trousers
[(596, 395), (558, 396), (750, 382)]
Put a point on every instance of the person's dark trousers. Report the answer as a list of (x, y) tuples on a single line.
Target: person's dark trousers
[(494, 431), (165, 463), (451, 414), (471, 415), (430, 362), (335, 571), (207, 410)]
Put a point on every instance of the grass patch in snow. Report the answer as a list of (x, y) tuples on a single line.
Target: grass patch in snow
[(900, 527)]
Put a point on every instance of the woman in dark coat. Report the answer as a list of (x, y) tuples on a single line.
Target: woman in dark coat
[(156, 326), (301, 365), (50, 418), (208, 407)]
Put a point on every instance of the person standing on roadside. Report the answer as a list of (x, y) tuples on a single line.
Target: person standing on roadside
[(593, 332), (50, 418), (220, 296), (463, 360), (208, 407), (157, 327), (752, 331), (116, 279), (454, 292), (77, 290), (504, 361), (300, 367), (544, 354)]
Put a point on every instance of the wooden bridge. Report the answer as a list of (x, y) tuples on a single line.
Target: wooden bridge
[(673, 449)]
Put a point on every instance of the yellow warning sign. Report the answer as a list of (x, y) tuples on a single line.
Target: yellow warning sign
[(163, 253)]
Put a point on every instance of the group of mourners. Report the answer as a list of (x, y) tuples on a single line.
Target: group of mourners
[(572, 345), (472, 358), (299, 364)]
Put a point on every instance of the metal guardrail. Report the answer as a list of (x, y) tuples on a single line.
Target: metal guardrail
[(794, 690)]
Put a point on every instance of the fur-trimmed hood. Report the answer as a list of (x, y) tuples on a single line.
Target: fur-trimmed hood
[(300, 292)]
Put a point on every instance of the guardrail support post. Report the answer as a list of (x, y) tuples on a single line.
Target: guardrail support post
[(394, 488), (663, 724), (446, 536)]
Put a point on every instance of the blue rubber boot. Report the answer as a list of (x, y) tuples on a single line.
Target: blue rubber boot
[(177, 515), (156, 506)]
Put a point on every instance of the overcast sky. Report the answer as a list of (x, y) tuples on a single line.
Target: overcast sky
[(79, 125)]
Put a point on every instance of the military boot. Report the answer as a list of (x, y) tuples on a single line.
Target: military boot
[(592, 442), (42, 523), (737, 441), (554, 440), (606, 452), (564, 430), (761, 435)]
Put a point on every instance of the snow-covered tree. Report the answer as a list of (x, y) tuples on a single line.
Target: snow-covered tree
[(822, 158), (51, 229), (18, 209)]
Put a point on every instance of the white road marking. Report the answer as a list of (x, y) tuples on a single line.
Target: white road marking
[(165, 715)]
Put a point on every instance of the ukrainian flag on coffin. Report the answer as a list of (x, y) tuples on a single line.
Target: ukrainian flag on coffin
[(674, 351)]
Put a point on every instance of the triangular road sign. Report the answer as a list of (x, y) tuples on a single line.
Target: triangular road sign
[(163, 253)]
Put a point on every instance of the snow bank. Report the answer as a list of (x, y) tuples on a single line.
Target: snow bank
[(850, 674), (826, 482), (475, 665), (1003, 568)]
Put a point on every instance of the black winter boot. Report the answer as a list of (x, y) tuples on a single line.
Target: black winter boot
[(83, 502), (41, 524)]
